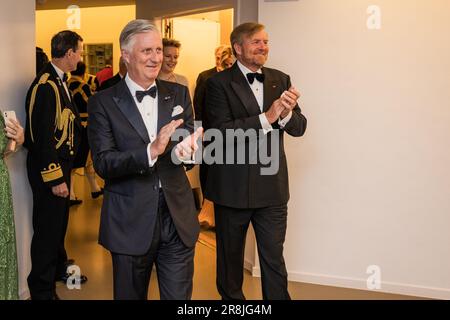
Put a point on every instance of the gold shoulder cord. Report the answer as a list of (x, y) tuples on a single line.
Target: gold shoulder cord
[(63, 120), (80, 90)]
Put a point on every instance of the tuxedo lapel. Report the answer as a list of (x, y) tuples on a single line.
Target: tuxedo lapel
[(165, 104), (126, 104), (271, 90), (243, 91)]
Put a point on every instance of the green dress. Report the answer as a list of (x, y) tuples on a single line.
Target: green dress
[(8, 257)]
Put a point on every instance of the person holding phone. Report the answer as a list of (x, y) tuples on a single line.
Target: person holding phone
[(11, 137)]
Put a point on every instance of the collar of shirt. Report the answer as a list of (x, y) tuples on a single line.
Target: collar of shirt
[(133, 86), (256, 87), (59, 72), (246, 70)]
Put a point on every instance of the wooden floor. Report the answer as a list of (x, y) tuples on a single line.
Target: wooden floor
[(95, 262)]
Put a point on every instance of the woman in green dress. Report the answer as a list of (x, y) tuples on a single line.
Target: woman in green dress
[(8, 258)]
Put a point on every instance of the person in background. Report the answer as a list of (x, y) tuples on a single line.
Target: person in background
[(227, 59), (224, 60), (52, 136), (199, 93), (41, 59), (106, 73), (81, 92), (171, 54), (10, 131), (248, 97), (118, 76), (92, 81)]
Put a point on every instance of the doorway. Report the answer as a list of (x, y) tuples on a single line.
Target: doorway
[(199, 35)]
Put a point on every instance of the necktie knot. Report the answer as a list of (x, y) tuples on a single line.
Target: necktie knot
[(65, 77), (141, 94), (255, 75)]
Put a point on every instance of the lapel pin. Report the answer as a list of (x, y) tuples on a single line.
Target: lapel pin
[(167, 98)]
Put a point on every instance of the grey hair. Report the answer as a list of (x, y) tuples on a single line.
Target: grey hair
[(131, 29)]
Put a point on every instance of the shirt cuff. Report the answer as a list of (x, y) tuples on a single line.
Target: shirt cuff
[(283, 122), (187, 160), (151, 161), (265, 124)]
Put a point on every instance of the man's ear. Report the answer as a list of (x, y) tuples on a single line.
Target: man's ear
[(69, 52), (237, 48), (125, 56)]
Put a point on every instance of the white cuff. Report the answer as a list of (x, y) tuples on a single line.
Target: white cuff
[(151, 161), (283, 122), (265, 124), (186, 160)]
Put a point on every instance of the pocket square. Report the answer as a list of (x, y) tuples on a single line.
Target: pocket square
[(177, 110)]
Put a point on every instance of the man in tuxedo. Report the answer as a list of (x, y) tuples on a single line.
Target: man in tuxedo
[(148, 214), (249, 97), (52, 137)]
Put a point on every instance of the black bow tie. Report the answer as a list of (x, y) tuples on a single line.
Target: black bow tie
[(65, 77), (252, 76), (141, 94)]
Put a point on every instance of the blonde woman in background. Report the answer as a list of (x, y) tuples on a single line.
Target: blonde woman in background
[(171, 53), (227, 59)]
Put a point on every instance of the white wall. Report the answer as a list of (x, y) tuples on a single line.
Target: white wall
[(370, 180), (18, 69)]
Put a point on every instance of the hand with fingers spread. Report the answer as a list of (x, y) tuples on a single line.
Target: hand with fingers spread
[(289, 100), (158, 146), (186, 148), (61, 190), (14, 131)]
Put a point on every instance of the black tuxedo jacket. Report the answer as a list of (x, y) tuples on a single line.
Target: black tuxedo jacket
[(199, 93), (230, 104), (118, 139)]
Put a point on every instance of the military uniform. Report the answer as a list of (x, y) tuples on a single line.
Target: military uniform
[(81, 92), (52, 137), (92, 81)]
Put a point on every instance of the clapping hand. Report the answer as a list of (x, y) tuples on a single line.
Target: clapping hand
[(188, 146), (289, 100)]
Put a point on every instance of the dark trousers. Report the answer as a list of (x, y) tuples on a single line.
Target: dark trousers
[(270, 230), (174, 264), (50, 219)]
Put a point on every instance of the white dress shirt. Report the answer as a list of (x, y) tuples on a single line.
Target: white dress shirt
[(60, 74), (258, 90), (148, 108)]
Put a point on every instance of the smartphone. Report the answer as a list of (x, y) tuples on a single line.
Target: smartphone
[(11, 146), (9, 115)]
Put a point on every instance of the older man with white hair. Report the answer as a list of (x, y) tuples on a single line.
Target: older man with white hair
[(148, 215)]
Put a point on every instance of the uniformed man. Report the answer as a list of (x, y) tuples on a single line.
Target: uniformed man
[(81, 92), (52, 138)]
